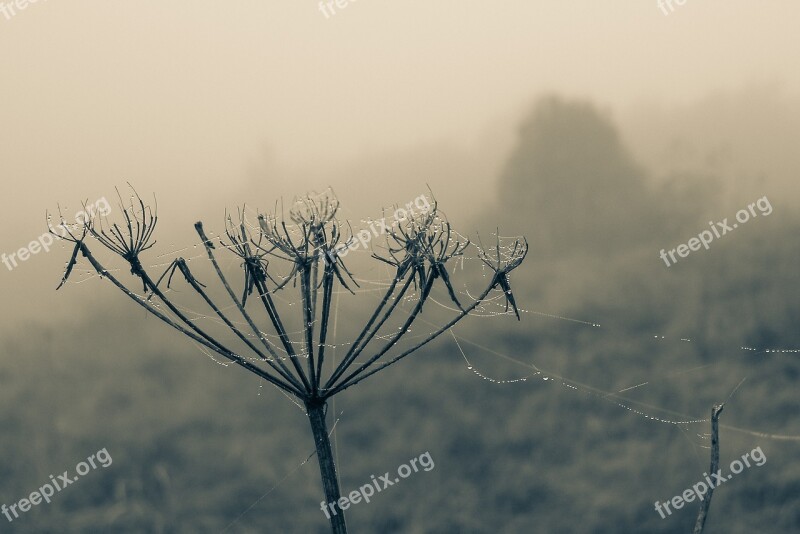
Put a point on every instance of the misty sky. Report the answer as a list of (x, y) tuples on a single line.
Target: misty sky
[(193, 99)]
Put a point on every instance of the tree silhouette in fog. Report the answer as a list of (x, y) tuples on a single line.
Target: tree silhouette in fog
[(573, 186)]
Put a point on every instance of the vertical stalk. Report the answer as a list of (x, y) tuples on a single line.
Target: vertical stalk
[(327, 467), (706, 503), (308, 323), (327, 289)]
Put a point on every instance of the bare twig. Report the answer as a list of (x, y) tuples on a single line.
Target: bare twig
[(706, 502)]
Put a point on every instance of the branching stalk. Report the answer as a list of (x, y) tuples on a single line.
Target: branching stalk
[(418, 249)]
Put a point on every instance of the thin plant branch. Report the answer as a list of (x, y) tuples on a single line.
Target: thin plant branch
[(702, 514)]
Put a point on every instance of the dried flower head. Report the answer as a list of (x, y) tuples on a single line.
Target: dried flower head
[(503, 263)]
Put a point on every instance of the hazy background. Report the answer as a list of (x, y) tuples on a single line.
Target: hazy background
[(603, 133)]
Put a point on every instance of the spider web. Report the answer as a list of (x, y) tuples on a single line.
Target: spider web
[(502, 248)]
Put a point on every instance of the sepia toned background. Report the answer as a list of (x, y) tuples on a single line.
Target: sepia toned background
[(602, 132)]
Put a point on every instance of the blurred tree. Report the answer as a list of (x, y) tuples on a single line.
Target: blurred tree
[(574, 186)]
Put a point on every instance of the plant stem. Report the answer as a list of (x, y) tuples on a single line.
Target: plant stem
[(209, 247), (327, 468), (706, 503), (361, 342), (232, 356), (355, 378)]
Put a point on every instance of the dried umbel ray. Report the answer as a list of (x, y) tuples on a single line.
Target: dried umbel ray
[(312, 242)]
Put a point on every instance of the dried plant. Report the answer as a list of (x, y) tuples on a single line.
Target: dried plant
[(311, 243)]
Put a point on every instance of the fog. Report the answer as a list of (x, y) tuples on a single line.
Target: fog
[(603, 133), (210, 107)]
